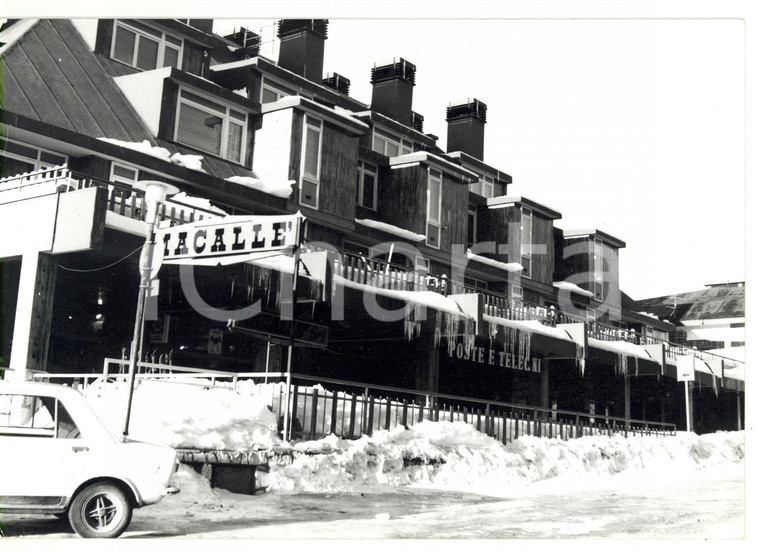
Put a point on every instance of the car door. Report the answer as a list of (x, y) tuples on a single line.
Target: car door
[(41, 450)]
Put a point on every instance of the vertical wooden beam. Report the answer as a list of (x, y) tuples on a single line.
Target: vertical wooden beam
[(34, 311), (627, 396)]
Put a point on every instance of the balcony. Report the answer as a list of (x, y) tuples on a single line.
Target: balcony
[(123, 199)]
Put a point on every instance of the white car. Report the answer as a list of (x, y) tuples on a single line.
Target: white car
[(58, 458)]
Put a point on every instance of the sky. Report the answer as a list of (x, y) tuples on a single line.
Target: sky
[(626, 117)]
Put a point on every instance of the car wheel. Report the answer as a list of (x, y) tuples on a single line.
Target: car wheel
[(100, 510)]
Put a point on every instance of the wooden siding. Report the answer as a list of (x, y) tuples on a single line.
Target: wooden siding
[(494, 225), (402, 198), (340, 159), (542, 264), (454, 202), (50, 75)]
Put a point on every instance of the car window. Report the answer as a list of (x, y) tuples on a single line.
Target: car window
[(35, 417)]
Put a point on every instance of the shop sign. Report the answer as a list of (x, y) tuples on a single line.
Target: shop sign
[(494, 357), (227, 240)]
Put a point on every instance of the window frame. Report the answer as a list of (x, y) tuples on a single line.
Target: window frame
[(526, 241), (434, 176), (38, 163), (227, 120), (363, 170), (163, 44), (472, 215), (310, 122), (390, 138), (597, 258), (270, 86)]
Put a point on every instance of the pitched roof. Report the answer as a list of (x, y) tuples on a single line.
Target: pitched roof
[(705, 304), (50, 75)]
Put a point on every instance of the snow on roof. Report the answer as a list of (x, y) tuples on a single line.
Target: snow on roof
[(421, 156), (649, 314), (233, 64), (188, 161), (395, 230), (10, 35), (193, 201), (143, 147), (425, 298), (534, 326), (620, 347), (299, 101), (509, 267), (193, 162), (573, 287), (275, 188)]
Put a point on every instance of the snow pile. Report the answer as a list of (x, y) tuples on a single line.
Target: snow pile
[(280, 189), (193, 201), (455, 455), (188, 161), (189, 414)]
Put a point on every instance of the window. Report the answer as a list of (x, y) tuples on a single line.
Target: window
[(390, 144), (366, 186), (598, 266), (272, 93), (590, 314), (484, 186), (526, 240), (211, 126), (17, 158), (35, 416), (472, 226), (474, 283), (516, 291), (421, 264), (123, 174), (434, 208), (311, 158), (144, 47)]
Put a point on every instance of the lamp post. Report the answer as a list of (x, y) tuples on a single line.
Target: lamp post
[(155, 195)]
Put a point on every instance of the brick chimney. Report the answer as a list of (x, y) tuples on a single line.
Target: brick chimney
[(466, 131), (392, 86), (302, 46)]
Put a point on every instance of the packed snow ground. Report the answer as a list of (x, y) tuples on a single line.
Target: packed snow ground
[(438, 480)]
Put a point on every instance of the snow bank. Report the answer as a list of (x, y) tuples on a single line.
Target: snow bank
[(456, 456), (186, 414)]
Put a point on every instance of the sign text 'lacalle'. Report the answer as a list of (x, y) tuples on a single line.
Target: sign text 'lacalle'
[(227, 240)]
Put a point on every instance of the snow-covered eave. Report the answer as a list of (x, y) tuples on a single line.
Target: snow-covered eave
[(394, 126), (594, 233), (12, 34), (501, 202), (189, 161), (509, 267), (390, 229), (467, 176), (429, 299), (339, 117), (476, 165), (282, 189), (621, 347), (533, 326), (573, 288)]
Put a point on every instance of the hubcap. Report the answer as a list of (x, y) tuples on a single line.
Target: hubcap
[(100, 512)]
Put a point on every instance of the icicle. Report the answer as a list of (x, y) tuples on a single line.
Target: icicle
[(581, 365), (437, 329)]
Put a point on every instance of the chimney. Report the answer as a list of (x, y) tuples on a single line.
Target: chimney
[(337, 82), (466, 131), (417, 121), (302, 46), (392, 86), (247, 40)]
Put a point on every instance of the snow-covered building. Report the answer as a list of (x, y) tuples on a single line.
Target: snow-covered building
[(420, 271)]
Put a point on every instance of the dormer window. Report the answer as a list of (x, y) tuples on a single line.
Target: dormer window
[(484, 186), (144, 47), (311, 160), (211, 126), (389, 144), (435, 181), (366, 186)]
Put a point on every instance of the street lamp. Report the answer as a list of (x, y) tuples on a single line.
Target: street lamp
[(155, 195)]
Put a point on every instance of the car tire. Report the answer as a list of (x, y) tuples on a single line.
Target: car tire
[(100, 510)]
